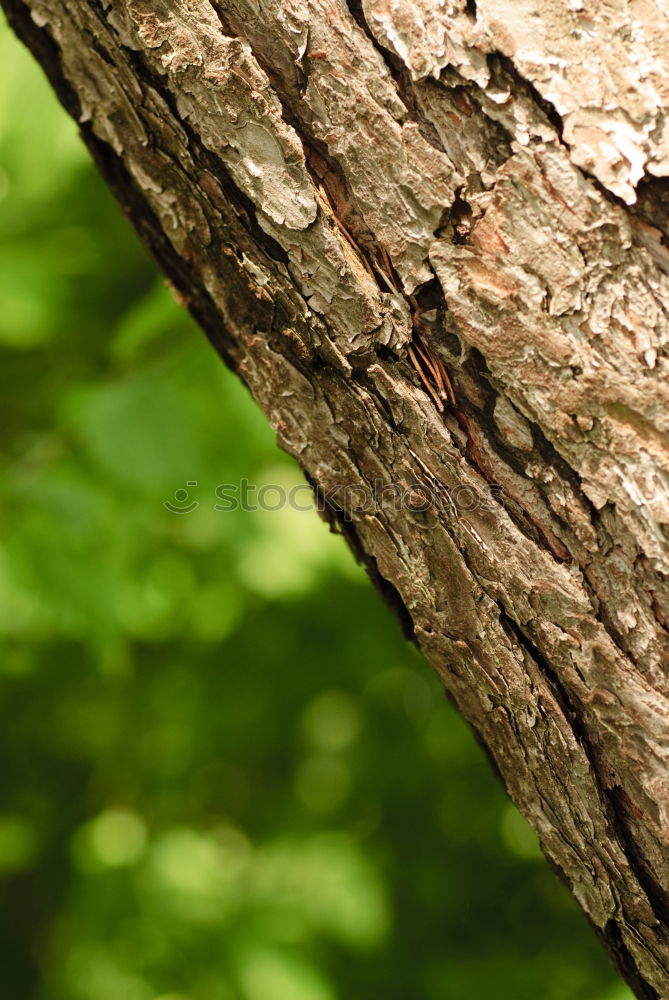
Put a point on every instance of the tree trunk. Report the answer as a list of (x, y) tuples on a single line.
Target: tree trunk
[(430, 237)]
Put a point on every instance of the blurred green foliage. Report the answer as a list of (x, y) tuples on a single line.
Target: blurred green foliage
[(225, 775)]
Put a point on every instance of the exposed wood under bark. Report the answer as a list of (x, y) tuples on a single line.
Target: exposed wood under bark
[(367, 205)]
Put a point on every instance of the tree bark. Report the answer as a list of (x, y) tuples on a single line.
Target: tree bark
[(431, 238)]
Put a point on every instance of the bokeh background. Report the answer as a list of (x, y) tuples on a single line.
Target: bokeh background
[(225, 776)]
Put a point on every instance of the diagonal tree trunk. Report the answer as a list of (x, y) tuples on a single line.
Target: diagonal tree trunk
[(430, 237)]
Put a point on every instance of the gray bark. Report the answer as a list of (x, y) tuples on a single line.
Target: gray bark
[(359, 202)]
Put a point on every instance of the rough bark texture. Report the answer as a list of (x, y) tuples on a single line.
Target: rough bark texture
[(328, 186)]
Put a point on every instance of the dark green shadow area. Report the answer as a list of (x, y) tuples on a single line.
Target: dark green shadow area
[(224, 774)]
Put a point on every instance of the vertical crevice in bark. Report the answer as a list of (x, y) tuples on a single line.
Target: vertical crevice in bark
[(623, 961)]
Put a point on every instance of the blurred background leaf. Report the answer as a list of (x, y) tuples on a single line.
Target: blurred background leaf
[(225, 775)]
